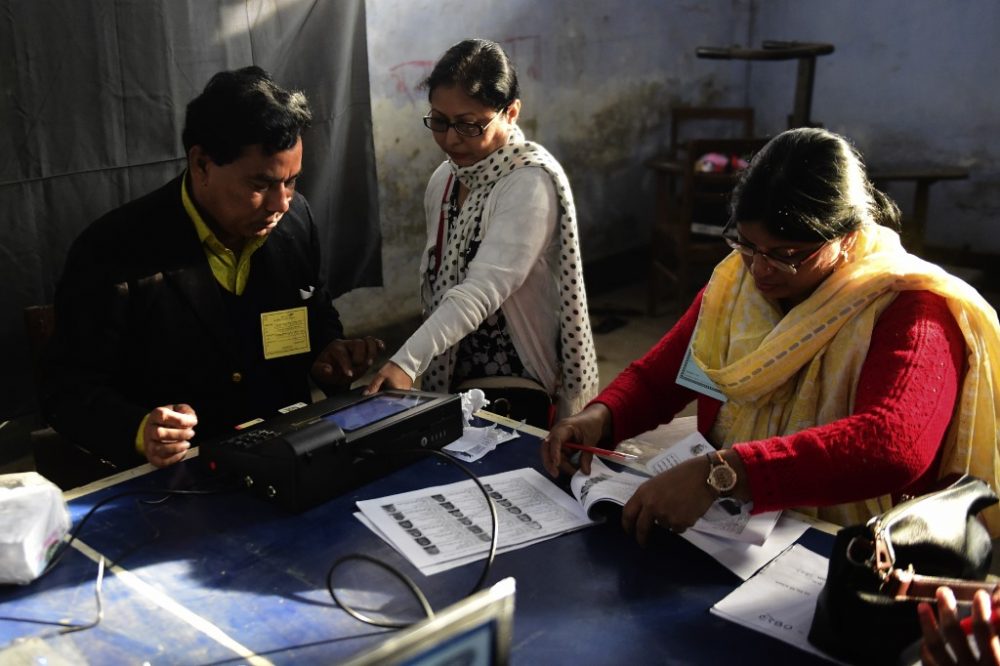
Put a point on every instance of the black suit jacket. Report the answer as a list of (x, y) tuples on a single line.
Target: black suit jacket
[(141, 322)]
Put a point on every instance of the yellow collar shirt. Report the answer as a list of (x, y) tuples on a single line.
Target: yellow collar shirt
[(232, 272), (229, 270)]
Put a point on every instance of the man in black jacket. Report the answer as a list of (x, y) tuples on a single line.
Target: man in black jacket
[(201, 303)]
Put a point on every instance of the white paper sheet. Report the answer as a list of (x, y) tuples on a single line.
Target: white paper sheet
[(442, 527), (780, 601), (744, 559), (477, 442), (605, 484)]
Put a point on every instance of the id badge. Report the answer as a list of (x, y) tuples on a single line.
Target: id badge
[(285, 332), (693, 377)]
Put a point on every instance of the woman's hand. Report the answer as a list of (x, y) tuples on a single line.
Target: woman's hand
[(391, 376), (167, 433), (589, 427), (674, 499), (944, 631)]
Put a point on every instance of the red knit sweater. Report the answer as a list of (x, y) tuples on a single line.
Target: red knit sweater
[(905, 399)]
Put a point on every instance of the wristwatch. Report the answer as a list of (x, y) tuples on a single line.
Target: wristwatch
[(721, 477)]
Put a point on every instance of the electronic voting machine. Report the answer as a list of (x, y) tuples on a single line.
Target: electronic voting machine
[(305, 457)]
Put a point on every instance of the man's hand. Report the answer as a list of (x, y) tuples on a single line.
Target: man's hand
[(391, 376), (343, 361), (167, 434), (590, 427)]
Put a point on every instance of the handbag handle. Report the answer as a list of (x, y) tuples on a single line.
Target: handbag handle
[(905, 584)]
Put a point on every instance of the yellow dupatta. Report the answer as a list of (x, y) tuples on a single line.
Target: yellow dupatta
[(784, 373)]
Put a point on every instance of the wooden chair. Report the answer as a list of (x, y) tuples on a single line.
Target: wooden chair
[(66, 465), (689, 122), (692, 205)]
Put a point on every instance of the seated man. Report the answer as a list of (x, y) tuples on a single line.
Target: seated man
[(201, 303)]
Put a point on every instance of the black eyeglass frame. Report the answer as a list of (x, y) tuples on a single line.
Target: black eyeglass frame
[(463, 128), (791, 266)]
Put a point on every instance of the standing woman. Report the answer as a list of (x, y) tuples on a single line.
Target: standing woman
[(501, 278)]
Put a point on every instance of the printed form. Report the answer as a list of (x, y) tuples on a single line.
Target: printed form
[(780, 601), (443, 527)]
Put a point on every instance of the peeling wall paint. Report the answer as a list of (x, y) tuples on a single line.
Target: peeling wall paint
[(597, 77), (911, 81)]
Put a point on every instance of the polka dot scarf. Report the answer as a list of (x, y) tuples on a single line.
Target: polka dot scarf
[(578, 379)]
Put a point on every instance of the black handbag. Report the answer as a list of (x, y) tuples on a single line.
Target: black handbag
[(866, 612)]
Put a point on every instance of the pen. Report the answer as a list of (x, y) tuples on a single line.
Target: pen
[(601, 452)]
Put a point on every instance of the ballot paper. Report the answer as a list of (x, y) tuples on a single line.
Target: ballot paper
[(443, 527), (780, 600), (606, 485), (717, 521)]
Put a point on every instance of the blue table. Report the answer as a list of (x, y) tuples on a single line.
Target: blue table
[(228, 578)]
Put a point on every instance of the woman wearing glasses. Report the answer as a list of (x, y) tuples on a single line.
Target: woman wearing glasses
[(834, 371), (502, 287)]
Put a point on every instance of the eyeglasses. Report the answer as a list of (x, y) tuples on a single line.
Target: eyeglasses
[(789, 263), (439, 125)]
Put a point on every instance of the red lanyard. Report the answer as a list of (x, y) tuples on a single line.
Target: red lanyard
[(441, 225)]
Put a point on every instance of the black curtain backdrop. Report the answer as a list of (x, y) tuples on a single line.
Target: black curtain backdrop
[(92, 100)]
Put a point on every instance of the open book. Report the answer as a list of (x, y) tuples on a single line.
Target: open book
[(604, 484)]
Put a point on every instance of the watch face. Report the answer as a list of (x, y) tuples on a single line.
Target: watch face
[(722, 478)]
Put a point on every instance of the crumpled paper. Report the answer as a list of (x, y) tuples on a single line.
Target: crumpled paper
[(35, 519), (476, 442), (472, 401)]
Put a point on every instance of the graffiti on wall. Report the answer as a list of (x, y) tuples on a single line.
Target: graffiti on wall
[(408, 77)]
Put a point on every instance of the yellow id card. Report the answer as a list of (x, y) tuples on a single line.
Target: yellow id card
[(285, 332)]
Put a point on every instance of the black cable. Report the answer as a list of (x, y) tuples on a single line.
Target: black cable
[(70, 627), (358, 615), (413, 587), (74, 533)]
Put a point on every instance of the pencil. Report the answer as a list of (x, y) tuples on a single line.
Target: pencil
[(601, 452)]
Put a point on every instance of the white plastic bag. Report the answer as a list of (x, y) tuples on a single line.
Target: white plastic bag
[(33, 521), (472, 401)]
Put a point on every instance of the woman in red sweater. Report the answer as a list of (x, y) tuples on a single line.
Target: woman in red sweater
[(838, 372)]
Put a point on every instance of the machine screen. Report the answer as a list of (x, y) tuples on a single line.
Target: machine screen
[(373, 409)]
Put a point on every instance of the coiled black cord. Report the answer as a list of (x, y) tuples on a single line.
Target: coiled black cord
[(406, 580)]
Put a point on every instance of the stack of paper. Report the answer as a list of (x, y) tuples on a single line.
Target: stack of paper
[(780, 601), (742, 543), (443, 527)]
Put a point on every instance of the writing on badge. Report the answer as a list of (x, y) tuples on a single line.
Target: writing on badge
[(285, 332)]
